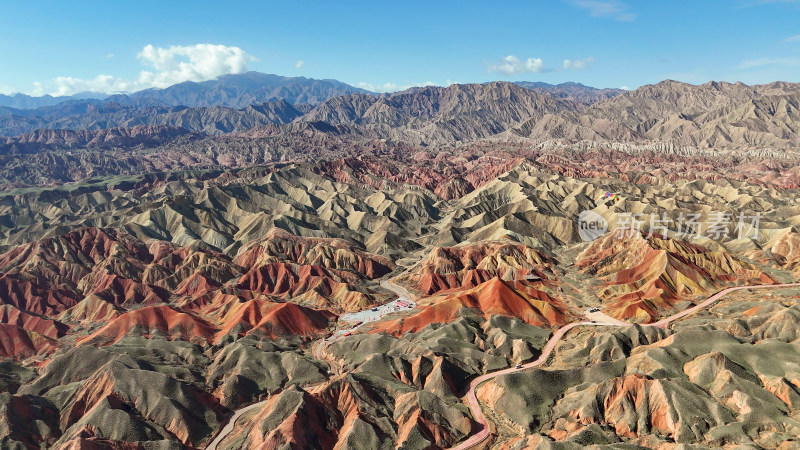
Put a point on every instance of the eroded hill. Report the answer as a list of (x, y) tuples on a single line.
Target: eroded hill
[(146, 310)]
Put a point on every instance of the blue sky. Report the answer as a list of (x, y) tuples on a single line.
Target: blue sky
[(64, 47)]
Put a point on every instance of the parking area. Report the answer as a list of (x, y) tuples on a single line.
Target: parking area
[(377, 313), (595, 315)]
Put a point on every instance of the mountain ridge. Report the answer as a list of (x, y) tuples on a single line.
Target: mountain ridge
[(666, 117), (233, 90)]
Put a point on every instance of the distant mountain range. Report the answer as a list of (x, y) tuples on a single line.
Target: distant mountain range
[(241, 90), (97, 116), (714, 115), (22, 101), (572, 91), (232, 103), (236, 91)]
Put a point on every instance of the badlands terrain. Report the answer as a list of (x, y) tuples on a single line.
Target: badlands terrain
[(177, 267)]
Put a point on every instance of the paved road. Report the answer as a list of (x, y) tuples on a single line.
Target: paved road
[(664, 322), (226, 430), (474, 404)]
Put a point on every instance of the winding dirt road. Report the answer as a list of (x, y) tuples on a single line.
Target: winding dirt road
[(474, 404)]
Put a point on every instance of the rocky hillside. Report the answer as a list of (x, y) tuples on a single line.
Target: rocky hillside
[(242, 90), (719, 116), (145, 310), (212, 120), (282, 275)]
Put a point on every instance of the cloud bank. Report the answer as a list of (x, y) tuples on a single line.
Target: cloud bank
[(513, 65), (165, 66), (577, 64)]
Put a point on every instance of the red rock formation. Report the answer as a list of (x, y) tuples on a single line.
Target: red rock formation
[(43, 277), (515, 299), (92, 309), (146, 321), (103, 270), (303, 426), (86, 439), (333, 254), (267, 318), (17, 342), (641, 277), (45, 327), (123, 291), (317, 272), (467, 266)]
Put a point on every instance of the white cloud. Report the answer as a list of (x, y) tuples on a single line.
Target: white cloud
[(109, 56), (38, 89), (170, 65), (577, 64), (386, 87), (70, 85), (761, 62), (795, 38), (392, 87), (511, 65), (6, 90), (299, 64), (625, 87), (190, 63), (609, 9)]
